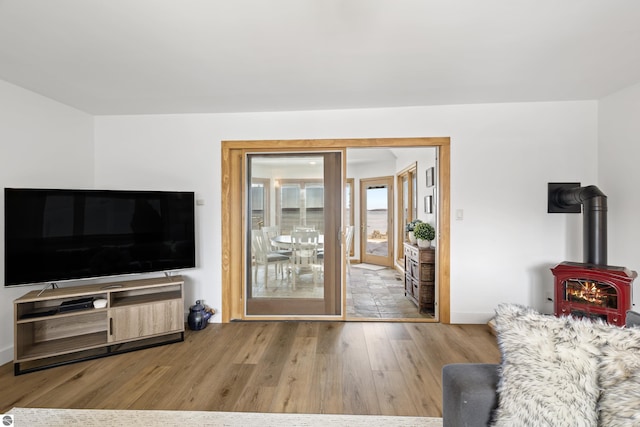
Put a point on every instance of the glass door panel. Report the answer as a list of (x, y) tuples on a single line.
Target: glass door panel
[(376, 209), (407, 204), (414, 195), (294, 262)]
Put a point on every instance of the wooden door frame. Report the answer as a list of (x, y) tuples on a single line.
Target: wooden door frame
[(233, 215), (389, 261)]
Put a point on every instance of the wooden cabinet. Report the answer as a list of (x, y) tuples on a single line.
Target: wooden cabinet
[(419, 277), (143, 320), (60, 326)]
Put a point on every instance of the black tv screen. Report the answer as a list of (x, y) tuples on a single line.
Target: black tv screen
[(54, 235)]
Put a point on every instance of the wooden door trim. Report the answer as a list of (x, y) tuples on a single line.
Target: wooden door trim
[(387, 261), (232, 215)]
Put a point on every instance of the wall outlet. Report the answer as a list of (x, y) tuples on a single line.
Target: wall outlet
[(548, 296)]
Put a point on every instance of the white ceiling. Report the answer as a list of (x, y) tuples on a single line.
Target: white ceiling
[(189, 56)]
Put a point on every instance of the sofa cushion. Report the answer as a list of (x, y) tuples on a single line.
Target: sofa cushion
[(548, 370), (468, 394), (633, 318), (619, 375)]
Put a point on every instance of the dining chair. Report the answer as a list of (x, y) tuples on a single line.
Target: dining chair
[(270, 232), (264, 256), (347, 246), (304, 228), (304, 252), (348, 242)]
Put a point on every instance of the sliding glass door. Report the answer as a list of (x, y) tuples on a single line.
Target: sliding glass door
[(293, 251)]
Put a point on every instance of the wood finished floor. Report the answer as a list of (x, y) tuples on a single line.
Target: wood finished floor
[(301, 367)]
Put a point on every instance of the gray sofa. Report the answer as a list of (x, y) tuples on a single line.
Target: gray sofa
[(469, 390)]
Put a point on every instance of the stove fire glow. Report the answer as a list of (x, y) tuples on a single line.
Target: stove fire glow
[(588, 292)]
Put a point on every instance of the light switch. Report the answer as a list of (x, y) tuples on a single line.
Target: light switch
[(200, 202), (459, 214)]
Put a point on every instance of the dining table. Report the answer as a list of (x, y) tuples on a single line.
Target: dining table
[(284, 241)]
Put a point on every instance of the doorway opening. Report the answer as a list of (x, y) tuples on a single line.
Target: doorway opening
[(389, 197), (235, 226)]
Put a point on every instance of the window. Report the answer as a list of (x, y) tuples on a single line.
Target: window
[(300, 203), (407, 204), (259, 203)]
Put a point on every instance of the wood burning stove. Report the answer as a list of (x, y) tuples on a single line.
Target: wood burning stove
[(591, 289), (585, 290)]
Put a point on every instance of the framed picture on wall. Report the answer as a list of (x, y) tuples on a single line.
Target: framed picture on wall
[(428, 204), (430, 181)]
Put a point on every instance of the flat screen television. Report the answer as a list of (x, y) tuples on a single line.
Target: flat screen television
[(54, 235)]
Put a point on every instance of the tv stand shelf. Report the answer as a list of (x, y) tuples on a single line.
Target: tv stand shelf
[(62, 345), (139, 314)]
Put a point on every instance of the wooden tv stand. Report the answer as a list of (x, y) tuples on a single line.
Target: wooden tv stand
[(138, 314)]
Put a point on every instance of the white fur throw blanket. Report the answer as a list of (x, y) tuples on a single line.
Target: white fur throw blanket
[(565, 371)]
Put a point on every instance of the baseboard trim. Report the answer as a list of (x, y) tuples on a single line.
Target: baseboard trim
[(6, 355), (471, 318)]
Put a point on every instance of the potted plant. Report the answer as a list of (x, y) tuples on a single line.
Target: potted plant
[(424, 233), (409, 228)]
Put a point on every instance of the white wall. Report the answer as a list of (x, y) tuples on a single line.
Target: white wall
[(502, 157), (42, 144), (618, 158)]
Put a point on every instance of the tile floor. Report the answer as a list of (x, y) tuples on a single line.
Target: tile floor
[(370, 294), (379, 295)]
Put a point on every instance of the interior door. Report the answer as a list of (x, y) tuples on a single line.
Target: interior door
[(292, 193), (376, 221)]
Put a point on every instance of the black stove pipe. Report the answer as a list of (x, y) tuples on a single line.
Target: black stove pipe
[(594, 220)]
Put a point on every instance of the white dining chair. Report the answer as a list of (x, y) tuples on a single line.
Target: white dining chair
[(347, 246), (264, 256), (304, 252), (270, 232)]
